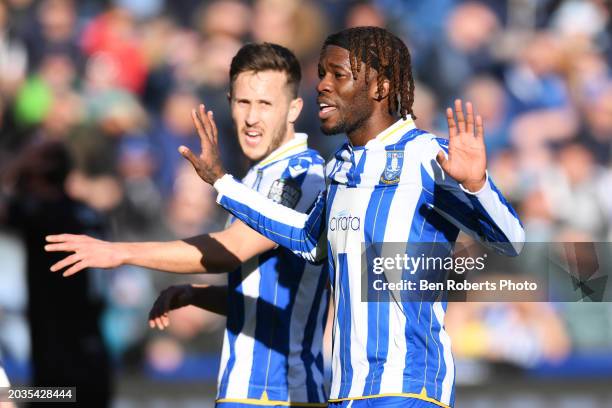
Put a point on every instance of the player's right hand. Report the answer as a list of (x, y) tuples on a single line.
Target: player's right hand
[(88, 252), (208, 163), (169, 299)]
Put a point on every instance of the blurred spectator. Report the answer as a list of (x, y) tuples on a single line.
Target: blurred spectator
[(488, 95), (365, 14), (572, 188), (463, 51), (597, 132), (192, 207), (13, 56), (174, 129), (224, 18), (113, 35), (297, 25), (63, 351), (521, 333), (54, 31)]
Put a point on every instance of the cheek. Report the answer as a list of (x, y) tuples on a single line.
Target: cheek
[(361, 102), (274, 120), (237, 115)]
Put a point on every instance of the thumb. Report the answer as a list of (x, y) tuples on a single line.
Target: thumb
[(188, 154), (442, 160)]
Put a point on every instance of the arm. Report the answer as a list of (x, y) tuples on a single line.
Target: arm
[(304, 234), (210, 253), (462, 191), (211, 298)]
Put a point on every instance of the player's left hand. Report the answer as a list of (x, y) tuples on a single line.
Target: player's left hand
[(169, 299), (467, 157)]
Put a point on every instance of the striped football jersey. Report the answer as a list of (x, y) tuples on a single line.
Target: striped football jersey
[(390, 190), (277, 302)]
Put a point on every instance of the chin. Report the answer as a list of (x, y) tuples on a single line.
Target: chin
[(332, 130), (333, 127), (254, 157)]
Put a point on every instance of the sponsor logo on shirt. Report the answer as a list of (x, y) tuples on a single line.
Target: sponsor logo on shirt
[(343, 221), (285, 192)]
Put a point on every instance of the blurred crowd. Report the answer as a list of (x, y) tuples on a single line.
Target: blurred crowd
[(114, 82)]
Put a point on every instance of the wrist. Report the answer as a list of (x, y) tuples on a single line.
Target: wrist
[(218, 175), (474, 187), (125, 253), (188, 295)]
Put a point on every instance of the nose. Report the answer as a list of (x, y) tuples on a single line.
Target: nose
[(324, 84), (252, 116)]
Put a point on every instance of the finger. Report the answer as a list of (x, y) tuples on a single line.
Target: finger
[(159, 323), (152, 323), (460, 118), (479, 127), (188, 154), (442, 160), (204, 119), (204, 140), (215, 132), (59, 237), (69, 260), (452, 126), (165, 320), (469, 117), (62, 247), (79, 266)]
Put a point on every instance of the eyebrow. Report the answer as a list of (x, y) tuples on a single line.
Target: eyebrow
[(256, 100), (341, 66)]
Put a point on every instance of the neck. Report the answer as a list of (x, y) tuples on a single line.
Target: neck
[(289, 135), (370, 129)]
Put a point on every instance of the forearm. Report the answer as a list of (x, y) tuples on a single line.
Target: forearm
[(294, 230), (181, 256), (211, 298), (498, 221)]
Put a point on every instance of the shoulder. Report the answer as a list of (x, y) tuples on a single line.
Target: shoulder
[(426, 144)]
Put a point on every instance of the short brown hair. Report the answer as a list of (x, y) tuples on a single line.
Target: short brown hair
[(259, 57)]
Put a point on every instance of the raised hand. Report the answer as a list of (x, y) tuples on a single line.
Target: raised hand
[(88, 252), (467, 158), (171, 298), (208, 163)]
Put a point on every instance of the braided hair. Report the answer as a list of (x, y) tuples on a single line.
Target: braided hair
[(377, 48)]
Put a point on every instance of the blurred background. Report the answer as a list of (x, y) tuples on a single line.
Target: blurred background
[(95, 98)]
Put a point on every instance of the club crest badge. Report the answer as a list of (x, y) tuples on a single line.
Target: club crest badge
[(393, 168)]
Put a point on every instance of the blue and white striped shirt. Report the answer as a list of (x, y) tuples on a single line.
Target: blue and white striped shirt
[(390, 190), (277, 302)]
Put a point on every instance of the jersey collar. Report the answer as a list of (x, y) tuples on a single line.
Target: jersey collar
[(392, 134), (298, 144)]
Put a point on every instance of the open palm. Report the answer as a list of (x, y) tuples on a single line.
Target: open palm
[(467, 158)]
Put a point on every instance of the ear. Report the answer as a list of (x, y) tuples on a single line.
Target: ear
[(295, 108), (374, 89), (229, 98)]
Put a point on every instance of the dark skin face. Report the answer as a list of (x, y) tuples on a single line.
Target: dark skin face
[(348, 105)]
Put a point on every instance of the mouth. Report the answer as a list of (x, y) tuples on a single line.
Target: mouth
[(252, 137), (326, 110)]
